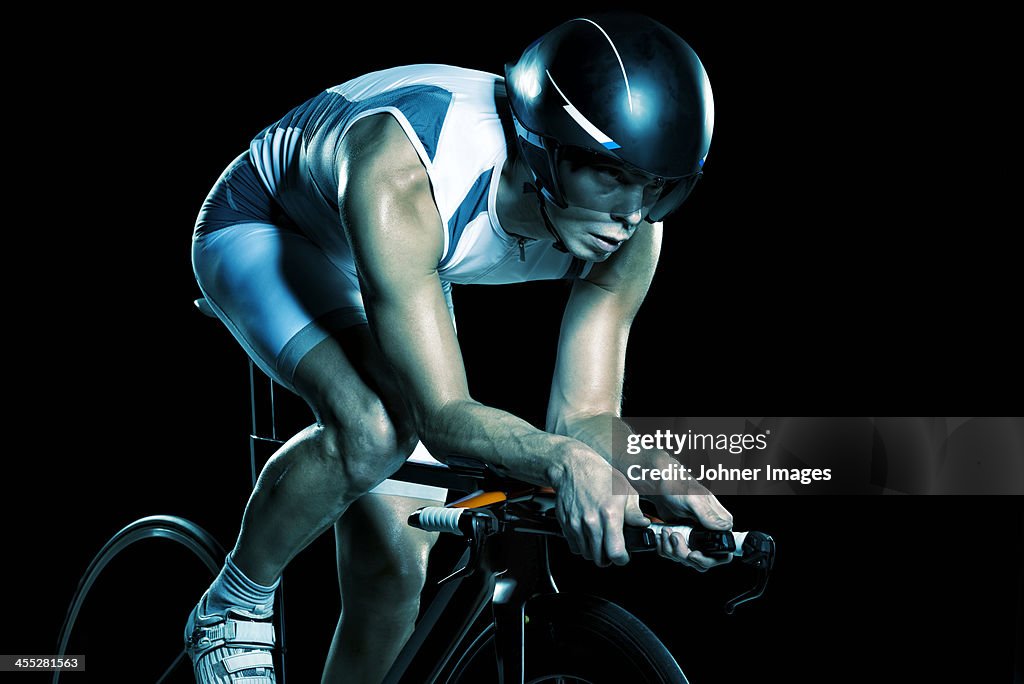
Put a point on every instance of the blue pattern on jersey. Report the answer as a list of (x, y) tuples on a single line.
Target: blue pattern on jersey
[(424, 106), (474, 204), (312, 130), (426, 111)]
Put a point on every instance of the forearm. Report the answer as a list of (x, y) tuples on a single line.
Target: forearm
[(606, 434), (505, 442)]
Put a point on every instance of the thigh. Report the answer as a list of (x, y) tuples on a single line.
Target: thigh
[(300, 318), (284, 298), (276, 291)]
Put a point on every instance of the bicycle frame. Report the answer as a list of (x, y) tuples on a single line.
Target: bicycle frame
[(509, 571)]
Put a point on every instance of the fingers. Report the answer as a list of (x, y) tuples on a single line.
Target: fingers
[(593, 526), (607, 544), (705, 563), (634, 516), (615, 541), (571, 532), (673, 546), (710, 511), (590, 536), (597, 537)]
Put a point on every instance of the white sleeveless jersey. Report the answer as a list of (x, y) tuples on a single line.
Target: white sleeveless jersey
[(451, 116)]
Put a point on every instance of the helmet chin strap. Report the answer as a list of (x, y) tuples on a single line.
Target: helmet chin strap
[(559, 244)]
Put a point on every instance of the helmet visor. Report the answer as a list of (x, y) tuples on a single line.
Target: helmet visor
[(593, 181)]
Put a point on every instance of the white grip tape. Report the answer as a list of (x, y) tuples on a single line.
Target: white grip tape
[(685, 530), (740, 537), (439, 519)]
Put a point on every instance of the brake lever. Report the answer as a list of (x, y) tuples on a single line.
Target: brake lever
[(756, 549), (473, 524)]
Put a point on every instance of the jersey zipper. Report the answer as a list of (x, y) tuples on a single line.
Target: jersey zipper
[(521, 241)]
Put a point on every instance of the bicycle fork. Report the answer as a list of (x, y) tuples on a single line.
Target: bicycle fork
[(527, 573)]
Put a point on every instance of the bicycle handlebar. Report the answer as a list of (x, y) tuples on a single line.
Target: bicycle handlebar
[(751, 548), (712, 543)]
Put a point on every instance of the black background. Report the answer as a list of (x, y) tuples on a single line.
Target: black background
[(841, 257)]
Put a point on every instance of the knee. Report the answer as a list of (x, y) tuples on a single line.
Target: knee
[(367, 443)]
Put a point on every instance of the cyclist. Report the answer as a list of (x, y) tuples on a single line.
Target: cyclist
[(329, 249)]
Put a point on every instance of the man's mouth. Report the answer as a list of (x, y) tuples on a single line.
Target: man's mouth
[(606, 244)]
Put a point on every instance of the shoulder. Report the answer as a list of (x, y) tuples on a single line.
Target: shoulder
[(377, 140), (377, 151), (384, 191)]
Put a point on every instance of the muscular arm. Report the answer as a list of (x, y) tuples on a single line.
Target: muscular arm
[(585, 401), (392, 222), (586, 392)]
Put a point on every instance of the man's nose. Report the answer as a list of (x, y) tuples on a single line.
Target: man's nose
[(631, 219)]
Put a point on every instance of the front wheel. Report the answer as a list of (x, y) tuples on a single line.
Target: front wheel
[(576, 640)]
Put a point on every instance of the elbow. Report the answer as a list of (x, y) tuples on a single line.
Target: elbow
[(557, 423), (432, 425), (426, 424), (554, 422), (559, 415)]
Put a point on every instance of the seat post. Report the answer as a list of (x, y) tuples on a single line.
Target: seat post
[(252, 435), (263, 439)]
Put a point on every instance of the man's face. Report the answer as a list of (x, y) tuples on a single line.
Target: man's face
[(607, 202)]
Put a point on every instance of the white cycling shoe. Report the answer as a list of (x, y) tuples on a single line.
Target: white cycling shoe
[(230, 648)]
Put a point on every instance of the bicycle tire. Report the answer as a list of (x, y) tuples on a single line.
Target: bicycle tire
[(180, 530), (576, 639)]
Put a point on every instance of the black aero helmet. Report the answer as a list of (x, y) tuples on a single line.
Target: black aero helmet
[(618, 85)]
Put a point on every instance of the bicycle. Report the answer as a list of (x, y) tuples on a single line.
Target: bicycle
[(533, 634)]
